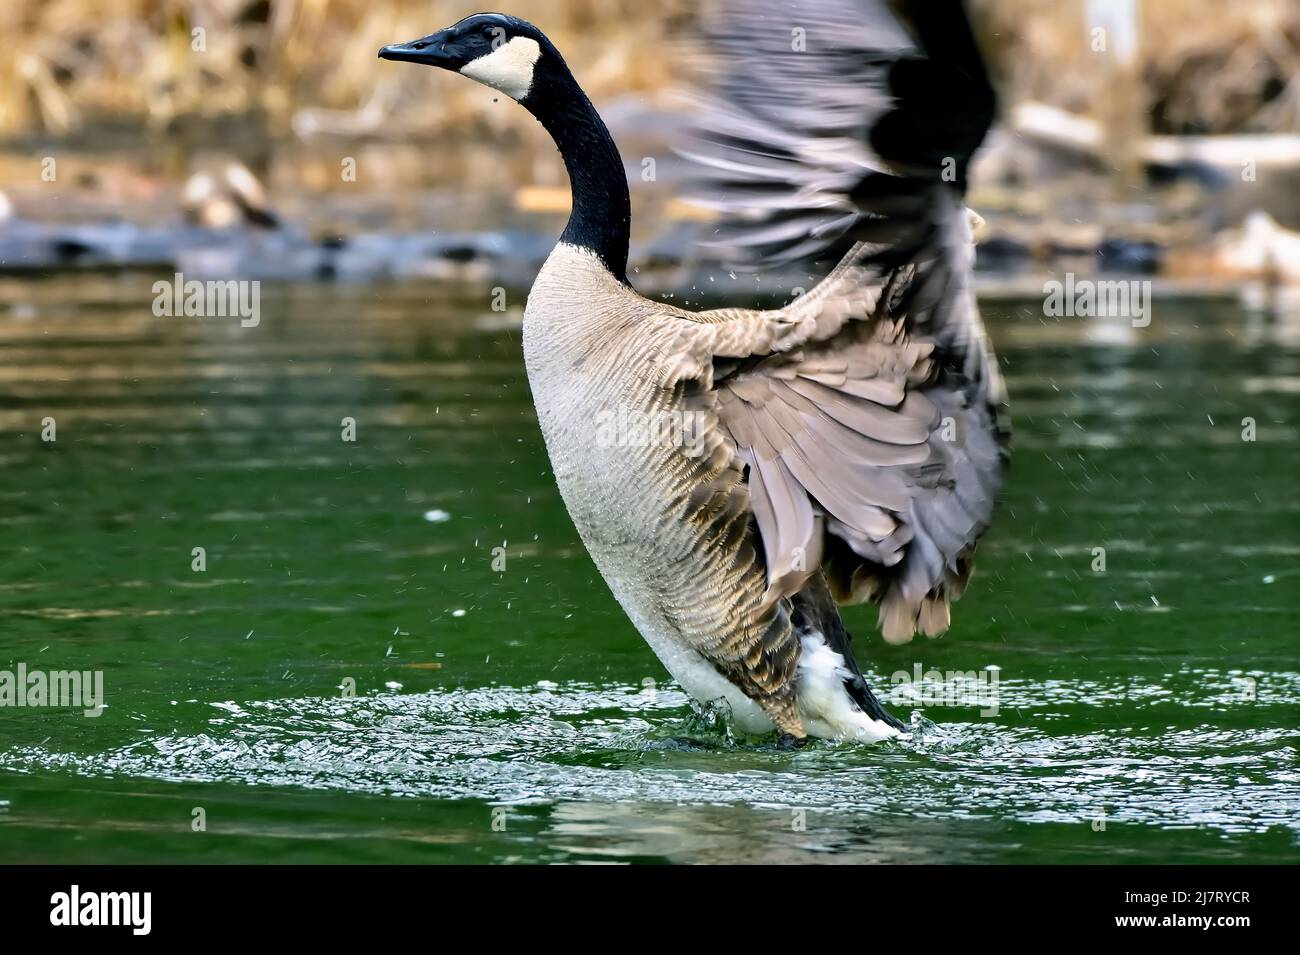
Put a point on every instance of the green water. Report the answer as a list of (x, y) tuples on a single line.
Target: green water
[(513, 714)]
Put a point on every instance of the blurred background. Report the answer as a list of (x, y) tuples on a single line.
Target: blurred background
[(1135, 135)]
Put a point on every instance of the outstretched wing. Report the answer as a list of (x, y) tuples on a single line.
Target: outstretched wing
[(837, 121), (870, 413)]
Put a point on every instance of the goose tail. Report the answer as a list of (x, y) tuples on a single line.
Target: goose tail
[(834, 697)]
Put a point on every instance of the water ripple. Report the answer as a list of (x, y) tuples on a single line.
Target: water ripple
[(549, 744)]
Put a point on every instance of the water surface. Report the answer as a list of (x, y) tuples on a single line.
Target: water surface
[(1144, 713)]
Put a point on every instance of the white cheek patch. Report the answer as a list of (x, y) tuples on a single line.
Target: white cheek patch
[(508, 68)]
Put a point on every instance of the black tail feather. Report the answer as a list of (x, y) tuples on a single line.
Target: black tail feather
[(814, 610)]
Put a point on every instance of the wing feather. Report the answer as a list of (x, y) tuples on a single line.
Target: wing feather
[(836, 121)]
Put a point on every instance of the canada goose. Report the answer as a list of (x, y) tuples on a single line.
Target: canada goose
[(848, 445), (1260, 249), (225, 197)]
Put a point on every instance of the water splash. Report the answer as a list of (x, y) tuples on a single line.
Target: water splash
[(549, 744)]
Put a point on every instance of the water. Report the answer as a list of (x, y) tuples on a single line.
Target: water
[(1147, 713)]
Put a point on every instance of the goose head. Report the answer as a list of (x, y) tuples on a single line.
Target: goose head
[(514, 57), (494, 49)]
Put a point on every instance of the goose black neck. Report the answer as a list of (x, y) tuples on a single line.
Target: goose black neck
[(602, 211)]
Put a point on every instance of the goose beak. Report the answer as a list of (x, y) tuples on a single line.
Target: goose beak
[(431, 51)]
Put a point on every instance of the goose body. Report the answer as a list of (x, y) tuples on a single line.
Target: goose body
[(666, 518), (626, 502), (735, 472)]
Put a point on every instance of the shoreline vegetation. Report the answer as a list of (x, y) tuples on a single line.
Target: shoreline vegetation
[(145, 134)]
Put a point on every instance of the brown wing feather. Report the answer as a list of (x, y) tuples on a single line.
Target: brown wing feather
[(868, 415), (750, 641), (872, 435)]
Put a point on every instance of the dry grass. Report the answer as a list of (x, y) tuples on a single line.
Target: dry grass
[(1206, 65), (67, 63)]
